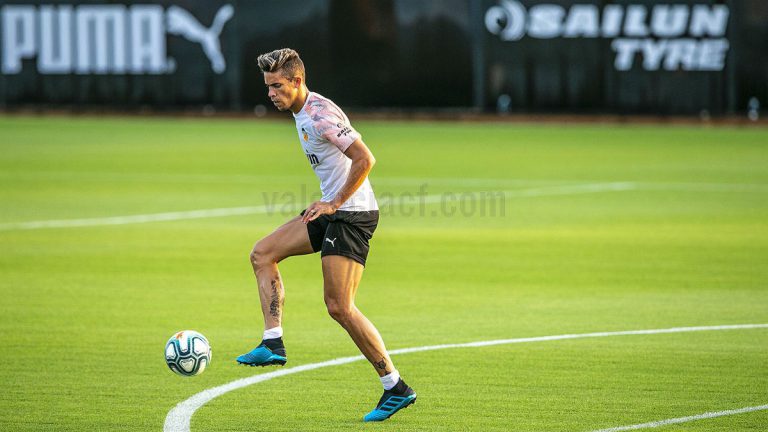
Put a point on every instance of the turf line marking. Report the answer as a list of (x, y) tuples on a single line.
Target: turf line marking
[(376, 180), (276, 207), (519, 193), (543, 191), (707, 415), (179, 418), (134, 219)]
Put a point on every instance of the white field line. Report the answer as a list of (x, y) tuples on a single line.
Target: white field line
[(179, 418), (707, 415), (498, 182), (276, 207), (386, 200), (256, 179), (375, 180), (134, 219), (413, 199)]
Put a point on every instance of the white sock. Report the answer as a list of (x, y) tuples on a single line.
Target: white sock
[(390, 380), (273, 333)]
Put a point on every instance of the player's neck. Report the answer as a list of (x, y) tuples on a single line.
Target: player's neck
[(301, 100)]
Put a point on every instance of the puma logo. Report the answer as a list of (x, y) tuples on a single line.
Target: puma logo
[(181, 22), (331, 241)]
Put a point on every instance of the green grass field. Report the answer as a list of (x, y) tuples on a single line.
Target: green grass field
[(595, 229)]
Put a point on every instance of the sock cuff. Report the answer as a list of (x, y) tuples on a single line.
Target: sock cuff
[(273, 333), (390, 380)]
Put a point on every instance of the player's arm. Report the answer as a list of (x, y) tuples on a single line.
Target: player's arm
[(362, 163)]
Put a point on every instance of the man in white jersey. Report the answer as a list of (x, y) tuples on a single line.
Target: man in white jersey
[(339, 226)]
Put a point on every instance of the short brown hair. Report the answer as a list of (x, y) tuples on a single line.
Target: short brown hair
[(285, 60)]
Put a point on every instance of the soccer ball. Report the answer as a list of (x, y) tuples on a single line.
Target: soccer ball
[(187, 353)]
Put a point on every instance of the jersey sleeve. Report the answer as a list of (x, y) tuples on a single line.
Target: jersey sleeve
[(334, 128)]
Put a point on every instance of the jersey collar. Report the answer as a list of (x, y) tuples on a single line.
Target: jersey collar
[(309, 95)]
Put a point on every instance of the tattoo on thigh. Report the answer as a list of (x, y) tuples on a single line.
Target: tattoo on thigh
[(274, 305)]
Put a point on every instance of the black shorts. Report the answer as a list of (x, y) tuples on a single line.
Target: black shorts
[(344, 233)]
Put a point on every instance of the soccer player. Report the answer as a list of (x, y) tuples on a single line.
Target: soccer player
[(339, 226)]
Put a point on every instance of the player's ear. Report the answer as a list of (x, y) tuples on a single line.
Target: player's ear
[(297, 82)]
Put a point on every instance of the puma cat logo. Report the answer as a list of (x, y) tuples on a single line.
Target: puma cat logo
[(183, 23)]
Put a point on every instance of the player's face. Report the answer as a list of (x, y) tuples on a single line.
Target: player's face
[(282, 91)]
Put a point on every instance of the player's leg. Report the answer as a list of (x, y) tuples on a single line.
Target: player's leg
[(288, 240), (341, 276)]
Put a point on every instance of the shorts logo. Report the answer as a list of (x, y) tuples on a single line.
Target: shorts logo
[(331, 241), (312, 158), (305, 134)]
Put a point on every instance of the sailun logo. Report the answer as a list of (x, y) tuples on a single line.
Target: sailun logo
[(668, 36), (104, 39)]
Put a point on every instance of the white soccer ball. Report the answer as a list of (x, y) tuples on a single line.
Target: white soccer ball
[(187, 353)]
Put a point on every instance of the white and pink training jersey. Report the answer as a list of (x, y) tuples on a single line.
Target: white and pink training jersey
[(325, 134)]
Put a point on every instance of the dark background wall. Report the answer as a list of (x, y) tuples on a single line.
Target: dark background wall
[(388, 53)]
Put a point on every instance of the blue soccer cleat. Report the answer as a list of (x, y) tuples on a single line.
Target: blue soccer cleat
[(264, 355), (392, 401)]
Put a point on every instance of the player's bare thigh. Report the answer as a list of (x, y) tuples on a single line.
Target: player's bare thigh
[(341, 277), (289, 239)]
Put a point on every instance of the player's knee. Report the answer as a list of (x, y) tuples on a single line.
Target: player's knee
[(339, 311), (260, 255)]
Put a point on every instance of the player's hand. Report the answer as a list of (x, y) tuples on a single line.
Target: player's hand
[(317, 209)]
